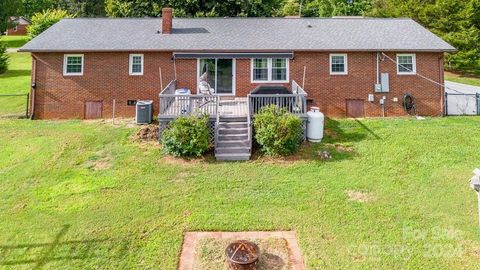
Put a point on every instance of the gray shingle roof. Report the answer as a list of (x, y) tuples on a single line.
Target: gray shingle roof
[(238, 34)]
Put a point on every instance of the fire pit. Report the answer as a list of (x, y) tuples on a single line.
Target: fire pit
[(242, 255)]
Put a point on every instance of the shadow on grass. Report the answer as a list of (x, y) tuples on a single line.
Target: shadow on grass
[(56, 250), (338, 142), (335, 133), (15, 73)]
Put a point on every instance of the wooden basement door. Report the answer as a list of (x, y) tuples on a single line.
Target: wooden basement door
[(355, 108), (93, 109)]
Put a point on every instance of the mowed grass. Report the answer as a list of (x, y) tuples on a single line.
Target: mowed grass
[(466, 79), (83, 195), (15, 81), (13, 41)]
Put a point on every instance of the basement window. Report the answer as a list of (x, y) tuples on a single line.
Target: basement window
[(338, 64), (73, 65), (136, 64), (269, 70), (406, 64)]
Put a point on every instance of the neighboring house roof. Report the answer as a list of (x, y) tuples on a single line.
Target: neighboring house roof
[(20, 20), (238, 34)]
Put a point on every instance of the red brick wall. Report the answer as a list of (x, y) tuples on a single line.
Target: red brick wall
[(329, 92), (106, 78), (21, 30)]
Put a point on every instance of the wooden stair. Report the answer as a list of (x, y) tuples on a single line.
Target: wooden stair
[(233, 138)]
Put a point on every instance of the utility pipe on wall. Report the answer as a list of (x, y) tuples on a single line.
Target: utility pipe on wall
[(33, 87), (113, 112), (303, 80), (161, 79)]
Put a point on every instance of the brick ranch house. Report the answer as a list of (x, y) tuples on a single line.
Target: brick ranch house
[(346, 65), (19, 28)]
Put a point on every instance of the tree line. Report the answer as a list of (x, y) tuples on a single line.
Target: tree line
[(457, 22)]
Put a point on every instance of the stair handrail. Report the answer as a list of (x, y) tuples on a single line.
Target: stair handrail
[(249, 124), (217, 124)]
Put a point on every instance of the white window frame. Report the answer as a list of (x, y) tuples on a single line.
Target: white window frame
[(345, 57), (414, 63), (65, 57), (270, 69), (130, 65), (15, 29)]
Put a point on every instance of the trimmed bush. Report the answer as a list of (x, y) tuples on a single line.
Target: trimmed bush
[(43, 20), (277, 132), (186, 136), (3, 58)]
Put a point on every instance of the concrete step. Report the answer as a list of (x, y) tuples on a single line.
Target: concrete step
[(233, 131), (239, 143), (232, 150), (228, 125), (232, 157), (232, 137)]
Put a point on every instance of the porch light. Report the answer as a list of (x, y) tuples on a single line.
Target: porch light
[(475, 185)]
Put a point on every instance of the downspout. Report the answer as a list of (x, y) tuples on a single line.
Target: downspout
[(382, 101), (33, 86), (441, 79)]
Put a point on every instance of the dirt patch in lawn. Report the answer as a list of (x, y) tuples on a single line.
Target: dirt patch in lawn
[(100, 161), (147, 133), (171, 160), (360, 196), (182, 177), (274, 254), (119, 122)]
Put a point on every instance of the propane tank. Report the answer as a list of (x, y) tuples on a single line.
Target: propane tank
[(315, 125)]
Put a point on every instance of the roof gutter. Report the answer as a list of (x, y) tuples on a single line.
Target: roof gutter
[(231, 51)]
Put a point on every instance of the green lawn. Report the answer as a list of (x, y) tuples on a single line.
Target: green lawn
[(13, 41), (471, 80), (82, 195), (15, 81)]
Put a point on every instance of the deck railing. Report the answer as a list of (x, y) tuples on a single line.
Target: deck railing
[(295, 103), (173, 105)]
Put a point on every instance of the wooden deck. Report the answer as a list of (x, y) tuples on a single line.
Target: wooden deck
[(230, 118), (186, 105), (233, 107), (173, 105)]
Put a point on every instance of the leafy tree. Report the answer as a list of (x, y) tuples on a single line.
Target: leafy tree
[(31, 7), (8, 8), (3, 58), (328, 8), (192, 8), (82, 8), (458, 22), (290, 8), (42, 21)]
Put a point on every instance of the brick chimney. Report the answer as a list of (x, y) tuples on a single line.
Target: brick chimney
[(167, 20)]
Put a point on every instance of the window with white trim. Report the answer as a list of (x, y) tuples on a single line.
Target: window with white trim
[(270, 70), (406, 64), (338, 64), (136, 64), (73, 64)]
